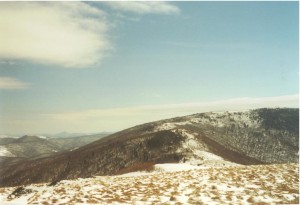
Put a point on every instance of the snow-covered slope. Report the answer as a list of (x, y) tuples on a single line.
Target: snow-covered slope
[(197, 153), (263, 184)]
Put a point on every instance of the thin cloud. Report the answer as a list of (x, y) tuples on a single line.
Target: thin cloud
[(187, 108), (121, 118), (68, 34), (144, 7), (96, 120), (8, 83)]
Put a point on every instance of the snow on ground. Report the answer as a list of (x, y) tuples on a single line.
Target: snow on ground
[(165, 126), (196, 151), (42, 137), (220, 119), (167, 167), (263, 184), (190, 143), (174, 167), (216, 119), (74, 148), (4, 152), (170, 125)]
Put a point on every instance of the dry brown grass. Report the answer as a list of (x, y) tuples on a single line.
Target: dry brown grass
[(229, 197), (79, 201), (92, 201), (172, 198), (2, 191), (60, 190), (286, 188), (213, 187)]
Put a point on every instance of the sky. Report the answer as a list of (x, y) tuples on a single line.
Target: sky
[(91, 67)]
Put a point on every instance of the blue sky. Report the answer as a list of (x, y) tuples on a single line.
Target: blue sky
[(92, 67)]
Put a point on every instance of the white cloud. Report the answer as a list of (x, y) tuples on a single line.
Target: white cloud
[(95, 120), (144, 7), (69, 34), (7, 83)]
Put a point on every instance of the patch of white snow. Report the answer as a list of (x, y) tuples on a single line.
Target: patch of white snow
[(4, 152), (174, 167)]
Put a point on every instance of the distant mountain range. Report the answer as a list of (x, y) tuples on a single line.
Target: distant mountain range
[(63, 134), (73, 134), (262, 136), (28, 147)]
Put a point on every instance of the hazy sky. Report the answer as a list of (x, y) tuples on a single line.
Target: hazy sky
[(105, 66)]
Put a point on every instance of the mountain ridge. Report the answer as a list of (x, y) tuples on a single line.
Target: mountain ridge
[(230, 137)]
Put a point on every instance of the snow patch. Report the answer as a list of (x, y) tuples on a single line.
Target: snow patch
[(174, 167), (207, 155), (4, 152), (170, 125), (74, 149), (216, 119), (134, 174), (42, 137), (165, 126), (221, 119), (197, 154)]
